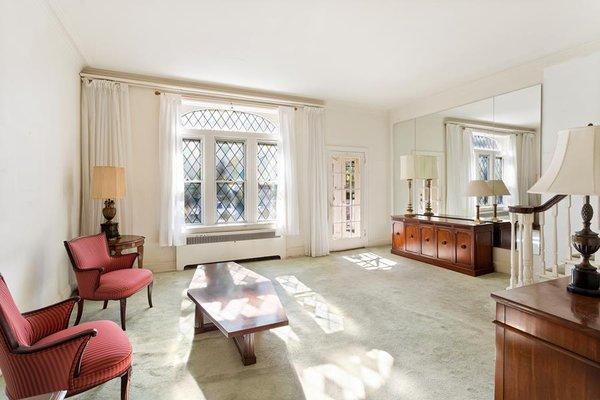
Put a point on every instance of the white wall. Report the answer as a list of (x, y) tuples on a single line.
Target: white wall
[(345, 126), (39, 147)]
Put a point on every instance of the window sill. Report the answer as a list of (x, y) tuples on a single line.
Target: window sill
[(223, 228)]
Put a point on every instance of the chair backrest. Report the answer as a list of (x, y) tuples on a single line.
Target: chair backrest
[(88, 251), (16, 330)]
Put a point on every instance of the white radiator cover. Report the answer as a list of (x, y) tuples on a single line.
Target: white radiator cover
[(192, 254)]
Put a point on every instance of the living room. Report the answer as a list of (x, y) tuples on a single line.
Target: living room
[(314, 200)]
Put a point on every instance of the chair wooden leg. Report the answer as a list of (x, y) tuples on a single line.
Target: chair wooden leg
[(105, 304), (79, 311), (150, 294), (125, 383), (123, 312)]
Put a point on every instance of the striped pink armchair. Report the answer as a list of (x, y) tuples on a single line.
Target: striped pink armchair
[(103, 277), (39, 353)]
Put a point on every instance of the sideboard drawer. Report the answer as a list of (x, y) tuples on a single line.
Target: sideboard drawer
[(428, 241), (398, 236), (413, 242), (464, 241), (445, 244)]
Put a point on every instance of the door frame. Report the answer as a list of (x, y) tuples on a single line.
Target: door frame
[(361, 152)]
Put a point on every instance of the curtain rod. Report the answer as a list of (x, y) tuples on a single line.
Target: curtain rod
[(200, 93), (489, 126)]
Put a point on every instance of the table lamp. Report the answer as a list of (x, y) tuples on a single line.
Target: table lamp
[(426, 168), (575, 170), (108, 183), (407, 173), (478, 188), (498, 189)]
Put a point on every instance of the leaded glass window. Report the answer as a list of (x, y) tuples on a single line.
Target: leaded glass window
[(227, 120), (192, 172), (499, 174), (230, 159), (266, 166), (483, 142), (483, 173)]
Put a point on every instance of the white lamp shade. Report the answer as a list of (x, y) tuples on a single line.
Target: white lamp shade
[(479, 189), (407, 167), (498, 188), (426, 167), (575, 166)]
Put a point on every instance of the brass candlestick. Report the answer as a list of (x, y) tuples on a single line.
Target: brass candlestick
[(409, 207), (428, 211)]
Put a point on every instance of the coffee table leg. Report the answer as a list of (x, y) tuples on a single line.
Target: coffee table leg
[(245, 345), (202, 326)]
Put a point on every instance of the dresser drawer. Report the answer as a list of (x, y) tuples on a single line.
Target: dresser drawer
[(413, 242), (445, 244), (398, 236), (428, 241), (464, 244)]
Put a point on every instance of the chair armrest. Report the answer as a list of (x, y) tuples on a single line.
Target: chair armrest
[(88, 280), (60, 359), (121, 262), (48, 320)]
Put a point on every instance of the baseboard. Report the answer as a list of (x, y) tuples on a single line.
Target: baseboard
[(379, 242), (160, 266)]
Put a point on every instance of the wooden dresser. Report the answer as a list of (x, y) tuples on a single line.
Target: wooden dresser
[(457, 244), (547, 343)]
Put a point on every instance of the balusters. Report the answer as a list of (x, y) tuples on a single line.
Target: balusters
[(555, 240), (514, 266), (527, 246), (520, 248), (542, 248)]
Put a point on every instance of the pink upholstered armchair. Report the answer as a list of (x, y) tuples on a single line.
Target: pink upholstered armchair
[(39, 353), (103, 277)]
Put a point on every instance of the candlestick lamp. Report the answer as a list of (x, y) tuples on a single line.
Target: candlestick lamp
[(478, 188), (426, 168), (407, 173), (108, 183), (498, 189)]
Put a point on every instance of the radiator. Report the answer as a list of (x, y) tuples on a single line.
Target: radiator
[(229, 246)]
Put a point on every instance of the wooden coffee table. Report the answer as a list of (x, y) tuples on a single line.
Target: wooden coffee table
[(236, 301)]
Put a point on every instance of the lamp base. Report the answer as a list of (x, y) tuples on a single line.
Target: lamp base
[(111, 229)]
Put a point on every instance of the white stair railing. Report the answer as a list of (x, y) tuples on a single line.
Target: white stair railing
[(521, 246)]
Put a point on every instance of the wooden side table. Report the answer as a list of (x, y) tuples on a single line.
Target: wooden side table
[(117, 245)]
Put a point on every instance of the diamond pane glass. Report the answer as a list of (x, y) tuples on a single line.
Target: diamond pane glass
[(267, 201), (498, 173), (227, 120), (230, 202), (193, 202), (483, 167), (192, 159), (485, 143), (266, 159), (266, 164), (230, 158)]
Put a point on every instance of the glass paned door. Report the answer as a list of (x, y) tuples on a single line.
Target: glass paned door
[(345, 199)]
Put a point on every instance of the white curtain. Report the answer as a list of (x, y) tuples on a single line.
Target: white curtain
[(459, 170), (105, 140), (170, 164), (521, 168), (314, 183), (288, 219)]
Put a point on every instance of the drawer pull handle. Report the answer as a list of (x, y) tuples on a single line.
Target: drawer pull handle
[(444, 242), (427, 239), (411, 236), (463, 246)]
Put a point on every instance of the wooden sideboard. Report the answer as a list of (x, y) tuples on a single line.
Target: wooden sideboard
[(547, 343), (454, 243)]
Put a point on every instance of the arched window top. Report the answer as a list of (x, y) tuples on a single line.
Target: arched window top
[(227, 120), (482, 142)]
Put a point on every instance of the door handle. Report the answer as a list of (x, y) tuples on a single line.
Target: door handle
[(463, 246), (444, 242)]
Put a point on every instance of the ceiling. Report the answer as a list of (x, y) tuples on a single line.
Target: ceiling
[(377, 53)]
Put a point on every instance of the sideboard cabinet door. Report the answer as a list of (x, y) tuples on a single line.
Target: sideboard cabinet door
[(445, 244), (398, 236), (464, 240), (413, 242)]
